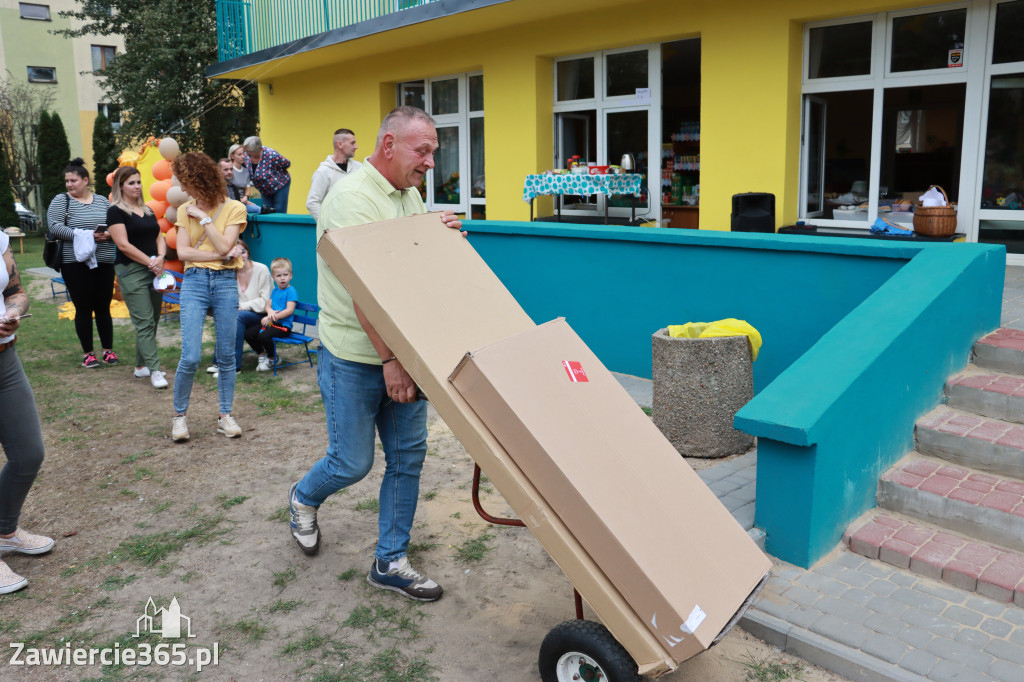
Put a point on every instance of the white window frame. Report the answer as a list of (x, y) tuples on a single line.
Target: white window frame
[(880, 78), (459, 120), (104, 108), (601, 104), (36, 80), (23, 5)]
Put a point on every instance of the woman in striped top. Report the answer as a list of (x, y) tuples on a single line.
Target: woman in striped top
[(91, 285)]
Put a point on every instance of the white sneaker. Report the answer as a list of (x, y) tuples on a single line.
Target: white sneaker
[(9, 580), (263, 364), (228, 427), (141, 372), (179, 429), (212, 369), (158, 380), (216, 373)]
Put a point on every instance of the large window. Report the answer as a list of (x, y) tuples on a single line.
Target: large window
[(30, 10), (102, 56), (457, 180)]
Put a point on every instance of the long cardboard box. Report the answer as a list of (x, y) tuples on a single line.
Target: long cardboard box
[(662, 537), (432, 299)]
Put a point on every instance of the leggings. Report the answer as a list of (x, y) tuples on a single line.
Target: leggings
[(91, 291), (20, 437), (260, 339)]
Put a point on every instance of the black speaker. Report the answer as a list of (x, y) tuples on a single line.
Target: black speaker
[(753, 212)]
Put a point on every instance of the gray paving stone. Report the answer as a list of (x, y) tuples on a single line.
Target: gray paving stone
[(964, 616), (745, 516), (962, 654), (803, 616), (840, 630), (1005, 671), (852, 613), (856, 595), (1017, 637), (996, 627), (917, 638), (917, 600), (788, 573), (932, 589), (775, 608), (903, 579), (934, 624), (802, 595), (973, 638), (917, 661), (1006, 650), (734, 501), (884, 625), (882, 587), (777, 585), (948, 671), (832, 570), (888, 607), (722, 487), (986, 606), (885, 648), (878, 570), (855, 578), (850, 560), (820, 583), (1013, 615)]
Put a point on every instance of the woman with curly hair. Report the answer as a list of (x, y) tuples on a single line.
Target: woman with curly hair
[(208, 227)]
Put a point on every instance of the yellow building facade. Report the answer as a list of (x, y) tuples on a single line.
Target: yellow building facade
[(841, 110)]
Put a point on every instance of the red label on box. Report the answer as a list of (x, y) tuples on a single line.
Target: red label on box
[(575, 371)]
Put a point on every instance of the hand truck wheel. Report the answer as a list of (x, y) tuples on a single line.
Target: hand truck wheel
[(584, 651)]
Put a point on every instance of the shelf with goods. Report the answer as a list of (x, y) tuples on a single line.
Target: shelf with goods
[(680, 177)]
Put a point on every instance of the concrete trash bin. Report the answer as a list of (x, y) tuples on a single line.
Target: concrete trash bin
[(699, 384)]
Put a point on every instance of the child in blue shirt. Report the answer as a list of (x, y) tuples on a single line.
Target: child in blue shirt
[(278, 320)]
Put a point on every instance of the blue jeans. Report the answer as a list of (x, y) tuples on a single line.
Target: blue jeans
[(356, 401), (202, 289), (246, 318), (279, 199)]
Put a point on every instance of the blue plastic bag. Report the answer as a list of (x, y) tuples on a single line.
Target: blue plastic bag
[(883, 226)]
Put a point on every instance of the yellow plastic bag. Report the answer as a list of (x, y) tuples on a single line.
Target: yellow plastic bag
[(727, 327)]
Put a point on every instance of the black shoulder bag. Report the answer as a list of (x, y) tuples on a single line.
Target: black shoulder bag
[(52, 248)]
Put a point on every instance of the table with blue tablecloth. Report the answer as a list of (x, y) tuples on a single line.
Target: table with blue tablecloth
[(580, 184)]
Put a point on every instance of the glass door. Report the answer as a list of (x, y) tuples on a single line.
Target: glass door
[(627, 132), (813, 184)]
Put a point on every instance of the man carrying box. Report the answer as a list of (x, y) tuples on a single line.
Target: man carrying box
[(362, 383)]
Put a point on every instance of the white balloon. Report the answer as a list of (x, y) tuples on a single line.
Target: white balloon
[(176, 196), (169, 148), (171, 214), (174, 181)]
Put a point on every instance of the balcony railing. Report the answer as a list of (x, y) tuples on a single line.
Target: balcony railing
[(247, 26)]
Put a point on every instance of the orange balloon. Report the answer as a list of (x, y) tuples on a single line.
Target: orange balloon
[(171, 237), (164, 225), (174, 265), (110, 179), (158, 190), (159, 208), (162, 170)]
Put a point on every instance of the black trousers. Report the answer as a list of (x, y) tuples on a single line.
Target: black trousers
[(91, 292), (259, 338)]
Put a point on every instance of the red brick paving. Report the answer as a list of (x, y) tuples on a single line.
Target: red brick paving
[(1004, 338)]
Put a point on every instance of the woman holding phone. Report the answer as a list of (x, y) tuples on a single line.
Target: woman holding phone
[(140, 257), (77, 218)]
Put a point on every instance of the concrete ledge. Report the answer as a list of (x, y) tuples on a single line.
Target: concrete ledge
[(989, 403), (999, 358), (1005, 460)]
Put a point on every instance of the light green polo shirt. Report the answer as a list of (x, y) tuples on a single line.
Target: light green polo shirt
[(361, 197)]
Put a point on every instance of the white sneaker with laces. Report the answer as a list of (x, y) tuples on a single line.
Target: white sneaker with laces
[(158, 379), (303, 523), (141, 372), (212, 369), (228, 426), (263, 364), (179, 428)]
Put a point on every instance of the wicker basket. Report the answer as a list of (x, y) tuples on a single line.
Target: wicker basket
[(935, 221)]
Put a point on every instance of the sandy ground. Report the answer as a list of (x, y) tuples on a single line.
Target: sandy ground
[(136, 517)]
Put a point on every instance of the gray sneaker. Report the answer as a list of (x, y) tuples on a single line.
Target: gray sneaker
[(304, 527), (179, 429), (403, 579)]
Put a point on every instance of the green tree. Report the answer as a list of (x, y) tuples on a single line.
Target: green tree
[(8, 216), (160, 82), (54, 154), (104, 153)]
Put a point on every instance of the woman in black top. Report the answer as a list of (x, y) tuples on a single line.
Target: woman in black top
[(140, 258), (90, 282)]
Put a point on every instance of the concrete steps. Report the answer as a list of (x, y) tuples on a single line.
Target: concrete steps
[(953, 510)]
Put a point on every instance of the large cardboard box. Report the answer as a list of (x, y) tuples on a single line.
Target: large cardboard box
[(656, 530), (433, 299)]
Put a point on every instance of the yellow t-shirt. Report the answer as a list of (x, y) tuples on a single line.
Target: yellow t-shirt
[(231, 213)]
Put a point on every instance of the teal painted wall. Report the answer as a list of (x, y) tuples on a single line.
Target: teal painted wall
[(859, 336)]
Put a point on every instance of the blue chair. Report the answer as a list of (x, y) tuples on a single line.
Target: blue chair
[(172, 297), (53, 291), (303, 317)]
